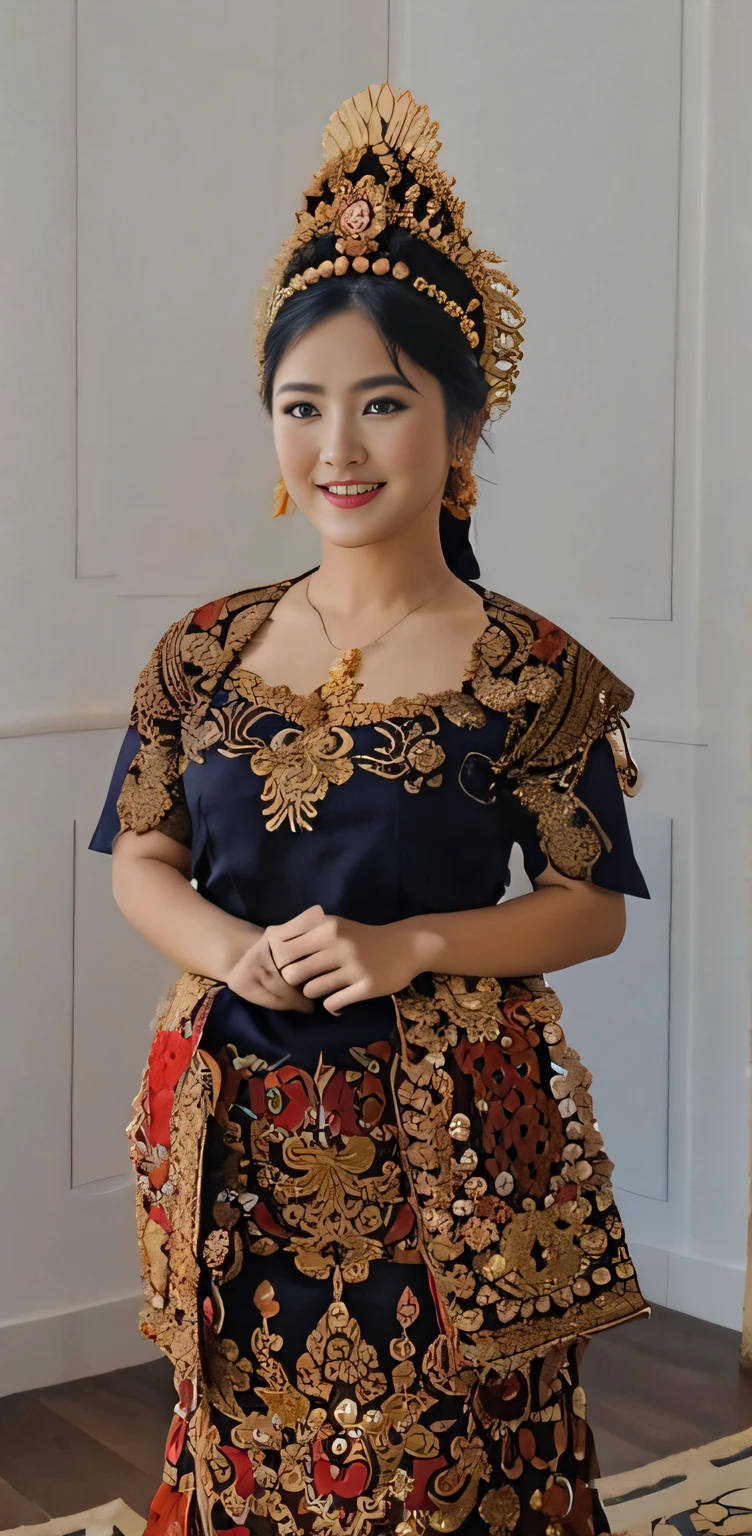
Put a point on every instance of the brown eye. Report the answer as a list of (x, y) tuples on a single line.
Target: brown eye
[(386, 400)]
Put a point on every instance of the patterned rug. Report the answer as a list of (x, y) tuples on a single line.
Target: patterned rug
[(113, 1519), (704, 1492)]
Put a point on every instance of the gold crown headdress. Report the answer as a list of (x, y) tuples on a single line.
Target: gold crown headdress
[(400, 184)]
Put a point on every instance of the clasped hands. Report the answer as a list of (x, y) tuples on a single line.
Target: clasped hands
[(319, 955)]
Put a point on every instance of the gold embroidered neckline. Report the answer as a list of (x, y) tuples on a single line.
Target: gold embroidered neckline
[(325, 699)]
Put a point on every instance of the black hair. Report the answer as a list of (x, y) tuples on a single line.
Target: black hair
[(406, 320)]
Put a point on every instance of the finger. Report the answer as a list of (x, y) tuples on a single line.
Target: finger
[(356, 993), (284, 985), (309, 918), (325, 985), (262, 997), (270, 964), (294, 1004), (283, 991), (309, 943), (278, 996), (270, 968), (300, 971)]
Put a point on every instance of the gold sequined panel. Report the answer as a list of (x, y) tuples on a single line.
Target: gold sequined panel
[(508, 1169)]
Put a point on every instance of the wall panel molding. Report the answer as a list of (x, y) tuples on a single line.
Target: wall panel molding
[(137, 159)]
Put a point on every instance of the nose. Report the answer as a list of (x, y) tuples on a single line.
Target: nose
[(343, 449)]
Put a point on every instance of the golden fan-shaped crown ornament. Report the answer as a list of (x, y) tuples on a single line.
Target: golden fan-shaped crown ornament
[(400, 184)]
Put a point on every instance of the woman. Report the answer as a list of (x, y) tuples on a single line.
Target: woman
[(374, 1211)]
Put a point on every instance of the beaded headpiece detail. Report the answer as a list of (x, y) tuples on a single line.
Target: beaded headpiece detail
[(392, 142)]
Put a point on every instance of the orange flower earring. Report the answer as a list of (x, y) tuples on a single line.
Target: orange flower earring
[(282, 499)]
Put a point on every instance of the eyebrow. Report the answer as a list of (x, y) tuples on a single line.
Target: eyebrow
[(375, 382)]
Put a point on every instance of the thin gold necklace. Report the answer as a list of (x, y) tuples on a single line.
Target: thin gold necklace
[(346, 665)]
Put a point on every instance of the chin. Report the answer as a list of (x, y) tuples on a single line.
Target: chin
[(352, 528), (357, 537)]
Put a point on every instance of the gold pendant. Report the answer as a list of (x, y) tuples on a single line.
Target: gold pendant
[(340, 686), (342, 670)]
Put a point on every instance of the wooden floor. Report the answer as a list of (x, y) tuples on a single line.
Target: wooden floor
[(653, 1387)]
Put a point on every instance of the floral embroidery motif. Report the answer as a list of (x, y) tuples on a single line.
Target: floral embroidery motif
[(301, 762), (298, 766), (567, 829), (323, 1181), (412, 754), (337, 1353)]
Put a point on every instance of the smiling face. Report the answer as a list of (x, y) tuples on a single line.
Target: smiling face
[(341, 413)]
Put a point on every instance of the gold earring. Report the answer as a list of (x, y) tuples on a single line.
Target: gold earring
[(282, 499)]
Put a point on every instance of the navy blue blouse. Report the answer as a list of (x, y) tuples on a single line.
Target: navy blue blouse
[(381, 857), (377, 819)]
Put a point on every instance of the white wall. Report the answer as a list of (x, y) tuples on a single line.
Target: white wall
[(604, 150), (574, 179), (717, 1067), (154, 154), (152, 157)]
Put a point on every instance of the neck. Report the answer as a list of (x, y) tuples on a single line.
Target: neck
[(377, 579)]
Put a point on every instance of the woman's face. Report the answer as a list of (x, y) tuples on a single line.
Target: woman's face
[(341, 413)]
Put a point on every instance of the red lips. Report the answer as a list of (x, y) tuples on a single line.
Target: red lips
[(350, 501)]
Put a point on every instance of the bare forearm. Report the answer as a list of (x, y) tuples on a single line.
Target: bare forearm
[(547, 930), (162, 905)]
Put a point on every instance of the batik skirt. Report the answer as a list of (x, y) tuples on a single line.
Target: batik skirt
[(327, 1406)]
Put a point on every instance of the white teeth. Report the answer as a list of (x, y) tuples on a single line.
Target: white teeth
[(351, 490)]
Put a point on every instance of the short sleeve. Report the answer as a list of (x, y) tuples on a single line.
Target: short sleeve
[(571, 783), (146, 791)]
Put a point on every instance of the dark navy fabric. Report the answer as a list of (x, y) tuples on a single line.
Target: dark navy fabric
[(376, 853)]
